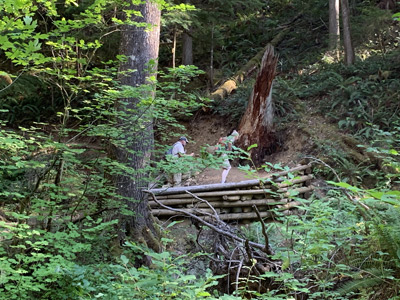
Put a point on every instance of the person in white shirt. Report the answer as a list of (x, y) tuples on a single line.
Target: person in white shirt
[(178, 151)]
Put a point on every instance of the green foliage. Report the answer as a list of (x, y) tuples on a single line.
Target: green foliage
[(341, 160), (227, 26), (234, 107), (166, 278), (34, 260), (356, 97), (173, 100), (285, 95), (28, 99), (372, 29), (335, 249), (59, 202)]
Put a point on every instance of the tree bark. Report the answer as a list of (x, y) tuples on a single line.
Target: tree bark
[(256, 125), (187, 48), (334, 28), (140, 47), (349, 55)]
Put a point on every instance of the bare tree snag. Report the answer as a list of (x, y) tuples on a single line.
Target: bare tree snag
[(256, 126)]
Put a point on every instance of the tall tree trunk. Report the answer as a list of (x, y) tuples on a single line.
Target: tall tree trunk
[(187, 48), (256, 126), (140, 46), (212, 59), (334, 28), (174, 49), (349, 55)]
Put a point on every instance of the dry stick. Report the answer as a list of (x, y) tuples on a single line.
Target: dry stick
[(208, 204), (211, 226), (264, 232), (229, 266), (249, 254), (238, 274)]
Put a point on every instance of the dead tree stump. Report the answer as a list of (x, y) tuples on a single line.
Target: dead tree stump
[(256, 125)]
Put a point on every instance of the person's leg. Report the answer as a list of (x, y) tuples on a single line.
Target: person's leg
[(170, 180), (177, 179), (225, 171)]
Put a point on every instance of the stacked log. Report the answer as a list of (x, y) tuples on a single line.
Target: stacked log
[(235, 201)]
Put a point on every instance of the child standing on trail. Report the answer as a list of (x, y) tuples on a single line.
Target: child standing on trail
[(225, 144)]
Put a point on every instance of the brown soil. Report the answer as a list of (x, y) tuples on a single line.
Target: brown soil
[(206, 129)]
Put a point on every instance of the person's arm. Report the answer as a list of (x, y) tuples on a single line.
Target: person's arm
[(181, 152)]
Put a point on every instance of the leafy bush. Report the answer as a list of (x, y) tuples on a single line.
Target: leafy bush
[(234, 107)]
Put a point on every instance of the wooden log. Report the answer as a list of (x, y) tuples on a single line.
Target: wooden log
[(246, 197), (289, 205), (193, 202), (281, 205), (224, 217), (265, 202), (300, 191), (243, 216), (173, 192), (162, 212), (231, 198), (280, 193), (224, 195)]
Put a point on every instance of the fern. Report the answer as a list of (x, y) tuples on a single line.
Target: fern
[(362, 280)]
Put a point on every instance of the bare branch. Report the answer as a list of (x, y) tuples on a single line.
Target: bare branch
[(264, 232)]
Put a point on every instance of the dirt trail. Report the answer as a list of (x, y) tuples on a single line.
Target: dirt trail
[(209, 176)]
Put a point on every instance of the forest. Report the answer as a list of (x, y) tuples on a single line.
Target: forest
[(94, 92)]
